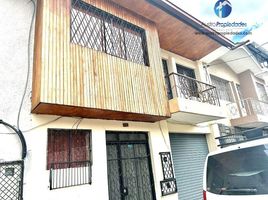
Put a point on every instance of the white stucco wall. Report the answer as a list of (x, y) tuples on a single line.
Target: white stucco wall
[(37, 177), (15, 21)]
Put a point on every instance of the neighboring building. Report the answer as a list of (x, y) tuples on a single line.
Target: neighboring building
[(243, 76), (116, 86)]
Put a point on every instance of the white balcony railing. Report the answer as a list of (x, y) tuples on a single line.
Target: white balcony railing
[(248, 107)]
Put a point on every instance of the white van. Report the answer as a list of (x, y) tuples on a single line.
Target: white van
[(237, 172)]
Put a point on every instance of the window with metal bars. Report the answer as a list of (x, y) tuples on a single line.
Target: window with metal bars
[(223, 88), (96, 29), (69, 157)]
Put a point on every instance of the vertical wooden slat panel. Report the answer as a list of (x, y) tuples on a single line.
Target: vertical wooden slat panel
[(49, 83), (67, 64), (79, 76), (86, 79), (59, 97), (92, 80), (73, 75), (38, 55), (45, 49), (53, 54), (60, 50)]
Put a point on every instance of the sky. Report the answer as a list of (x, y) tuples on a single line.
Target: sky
[(252, 12)]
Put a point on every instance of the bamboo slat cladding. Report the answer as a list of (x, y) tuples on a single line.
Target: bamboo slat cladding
[(73, 80)]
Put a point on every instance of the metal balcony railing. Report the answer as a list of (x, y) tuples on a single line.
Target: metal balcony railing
[(248, 107), (244, 136), (67, 174), (192, 89)]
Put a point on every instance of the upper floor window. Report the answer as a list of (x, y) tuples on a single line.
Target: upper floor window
[(223, 88), (185, 71), (102, 31), (68, 152), (238, 87), (261, 92)]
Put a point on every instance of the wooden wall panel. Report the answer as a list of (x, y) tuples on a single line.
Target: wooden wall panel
[(77, 76)]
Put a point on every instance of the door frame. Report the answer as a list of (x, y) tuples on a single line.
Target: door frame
[(118, 143)]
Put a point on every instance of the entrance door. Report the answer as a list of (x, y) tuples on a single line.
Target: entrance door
[(129, 167)]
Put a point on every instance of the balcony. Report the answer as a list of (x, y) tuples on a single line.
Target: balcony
[(193, 101), (249, 113)]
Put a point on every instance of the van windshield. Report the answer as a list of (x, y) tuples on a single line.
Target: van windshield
[(239, 172)]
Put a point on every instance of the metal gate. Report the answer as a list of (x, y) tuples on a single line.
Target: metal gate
[(189, 153), (11, 180), (129, 167)]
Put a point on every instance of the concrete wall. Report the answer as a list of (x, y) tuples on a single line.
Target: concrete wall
[(223, 71), (37, 177), (248, 85), (14, 28)]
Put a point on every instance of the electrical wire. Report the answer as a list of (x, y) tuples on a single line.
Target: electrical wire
[(38, 126), (41, 125), (162, 133), (77, 123), (21, 137), (29, 64)]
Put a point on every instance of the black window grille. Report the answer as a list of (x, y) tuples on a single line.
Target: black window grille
[(96, 29), (69, 157), (167, 165), (168, 185)]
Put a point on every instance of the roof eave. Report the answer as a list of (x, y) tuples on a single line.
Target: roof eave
[(188, 19)]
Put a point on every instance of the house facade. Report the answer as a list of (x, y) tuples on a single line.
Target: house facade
[(119, 101)]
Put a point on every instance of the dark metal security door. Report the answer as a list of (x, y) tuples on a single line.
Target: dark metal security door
[(11, 180), (129, 167)]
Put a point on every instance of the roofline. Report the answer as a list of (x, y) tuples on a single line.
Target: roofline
[(188, 19)]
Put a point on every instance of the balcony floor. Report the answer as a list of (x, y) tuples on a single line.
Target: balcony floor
[(250, 121), (194, 112)]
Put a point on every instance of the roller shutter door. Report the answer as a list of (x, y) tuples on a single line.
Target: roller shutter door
[(189, 153)]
